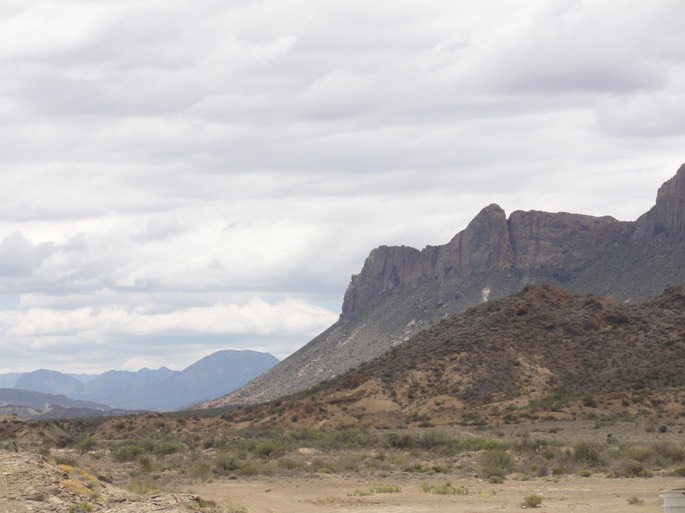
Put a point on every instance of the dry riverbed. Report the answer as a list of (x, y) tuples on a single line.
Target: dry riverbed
[(328, 494)]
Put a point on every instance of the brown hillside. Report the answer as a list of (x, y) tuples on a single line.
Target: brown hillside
[(543, 352)]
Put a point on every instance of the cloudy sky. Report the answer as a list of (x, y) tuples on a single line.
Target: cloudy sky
[(179, 177)]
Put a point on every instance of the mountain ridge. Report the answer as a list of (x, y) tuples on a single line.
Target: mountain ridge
[(401, 290), (160, 389)]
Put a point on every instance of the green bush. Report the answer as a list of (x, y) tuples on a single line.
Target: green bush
[(531, 501), (166, 448), (496, 462), (225, 464), (587, 453), (129, 452), (268, 449), (86, 445), (446, 489), (146, 464)]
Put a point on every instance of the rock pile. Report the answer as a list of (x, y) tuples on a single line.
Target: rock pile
[(29, 484)]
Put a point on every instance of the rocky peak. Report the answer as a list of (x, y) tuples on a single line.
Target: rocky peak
[(485, 243), (385, 269), (666, 220), (529, 243)]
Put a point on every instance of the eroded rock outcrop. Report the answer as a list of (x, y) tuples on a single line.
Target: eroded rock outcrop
[(529, 243), (666, 219), (31, 484), (401, 290)]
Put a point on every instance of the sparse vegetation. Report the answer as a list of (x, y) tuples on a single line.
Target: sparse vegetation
[(531, 501), (375, 489), (207, 448), (445, 489)]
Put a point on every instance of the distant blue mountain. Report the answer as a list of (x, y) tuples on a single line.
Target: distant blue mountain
[(39, 400), (207, 378), (106, 385), (8, 380), (50, 382), (161, 389)]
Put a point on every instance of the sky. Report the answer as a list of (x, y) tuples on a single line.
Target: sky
[(179, 177)]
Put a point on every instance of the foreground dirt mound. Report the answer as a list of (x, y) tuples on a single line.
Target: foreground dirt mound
[(29, 483)]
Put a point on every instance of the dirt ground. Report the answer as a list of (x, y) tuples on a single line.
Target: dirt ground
[(329, 494)]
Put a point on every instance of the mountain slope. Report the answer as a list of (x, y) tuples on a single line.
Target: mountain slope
[(541, 352), (402, 290)]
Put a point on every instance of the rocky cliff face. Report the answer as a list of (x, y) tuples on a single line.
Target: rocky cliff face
[(665, 220), (528, 243), (401, 290)]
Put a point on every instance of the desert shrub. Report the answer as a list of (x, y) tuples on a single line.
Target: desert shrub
[(248, 469), (496, 462), (386, 489), (166, 448), (375, 489), (587, 453), (446, 489), (399, 441), (352, 437), (142, 486), (669, 451), (360, 493), (225, 464), (288, 464), (305, 435), (236, 509), (86, 445), (199, 470), (268, 449), (440, 441), (81, 508), (129, 452), (66, 460), (146, 464), (531, 501), (479, 444), (346, 462), (549, 453)]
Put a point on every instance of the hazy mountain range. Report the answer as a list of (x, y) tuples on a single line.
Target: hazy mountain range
[(160, 389)]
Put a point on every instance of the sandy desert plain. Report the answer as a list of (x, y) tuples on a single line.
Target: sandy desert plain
[(411, 493), (333, 494), (35, 480)]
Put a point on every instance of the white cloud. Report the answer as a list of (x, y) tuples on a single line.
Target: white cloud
[(178, 176), (44, 29), (19, 256)]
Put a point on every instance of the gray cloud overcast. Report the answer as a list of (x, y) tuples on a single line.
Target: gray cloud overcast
[(180, 177)]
